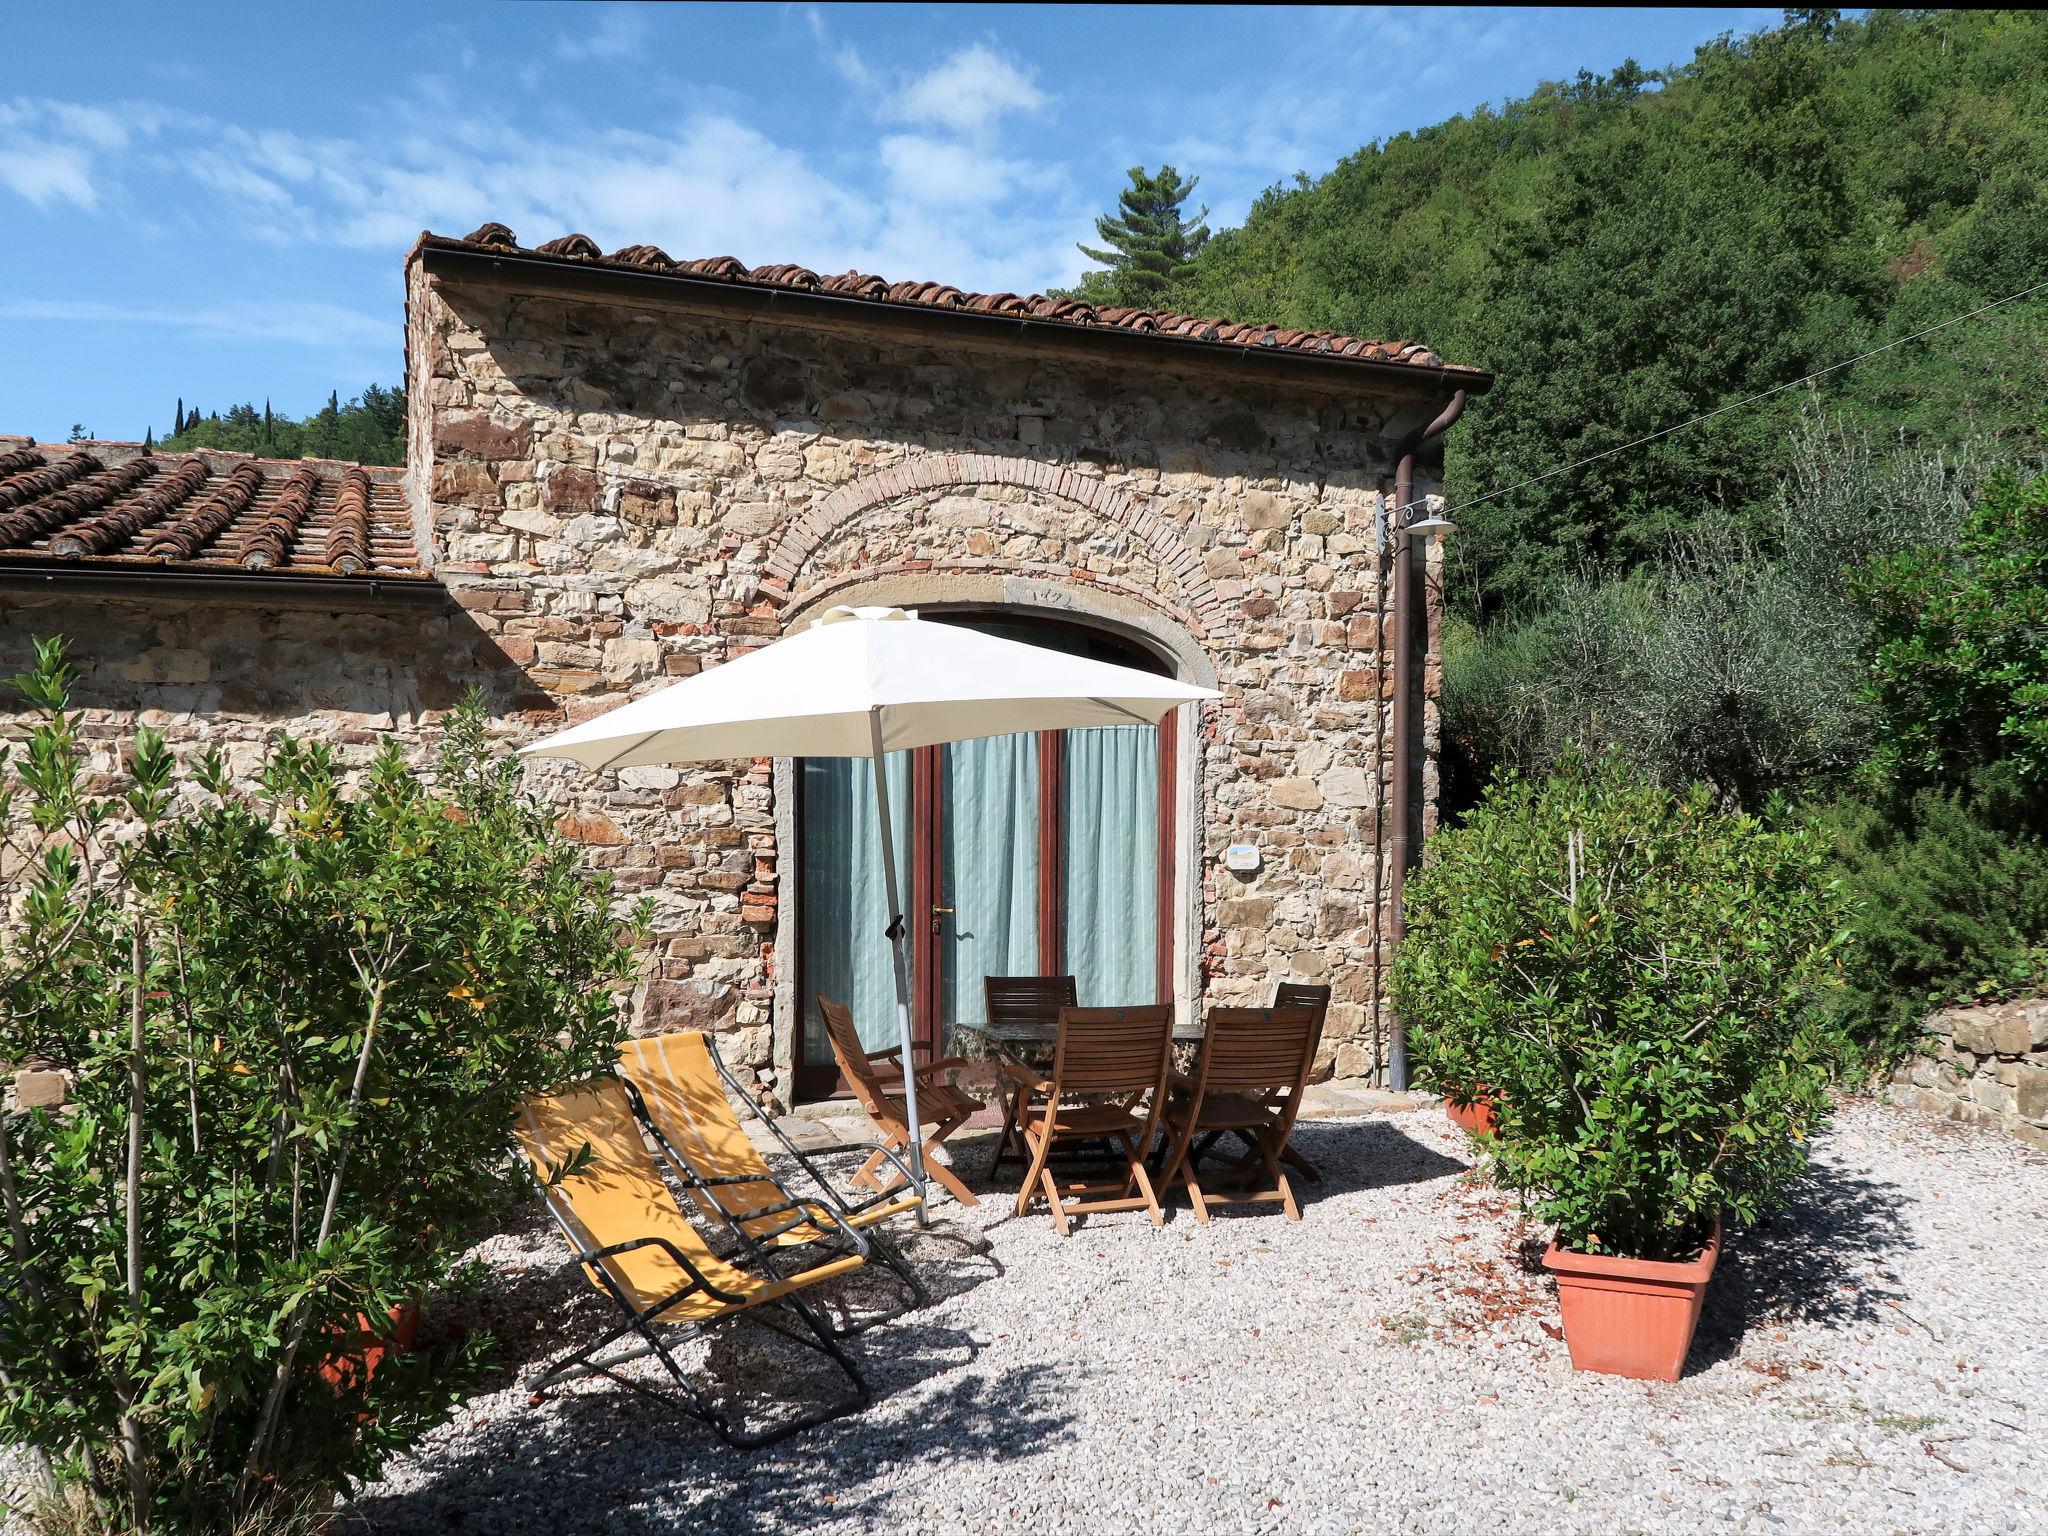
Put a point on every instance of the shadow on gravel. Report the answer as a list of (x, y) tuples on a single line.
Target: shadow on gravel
[(1364, 1155), (1819, 1259), (606, 1460)]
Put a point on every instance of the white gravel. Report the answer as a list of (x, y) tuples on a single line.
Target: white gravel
[(1873, 1360)]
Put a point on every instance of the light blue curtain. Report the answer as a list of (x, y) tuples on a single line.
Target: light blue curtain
[(1112, 864), (990, 865), (845, 901)]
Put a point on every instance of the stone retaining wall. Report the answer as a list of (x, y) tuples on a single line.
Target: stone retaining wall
[(1988, 1066)]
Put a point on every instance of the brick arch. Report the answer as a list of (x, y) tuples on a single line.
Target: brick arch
[(1204, 609)]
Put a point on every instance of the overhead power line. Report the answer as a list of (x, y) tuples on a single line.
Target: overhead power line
[(1736, 405)]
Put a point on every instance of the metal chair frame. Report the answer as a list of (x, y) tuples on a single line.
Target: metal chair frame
[(834, 1230)]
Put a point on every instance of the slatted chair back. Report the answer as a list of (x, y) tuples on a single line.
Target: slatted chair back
[(1265, 1051), (1113, 1050), (685, 1097), (1303, 994), (854, 1065), (1028, 1000), (618, 1196)]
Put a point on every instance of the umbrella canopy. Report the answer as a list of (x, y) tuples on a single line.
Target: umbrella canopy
[(815, 693), (864, 682)]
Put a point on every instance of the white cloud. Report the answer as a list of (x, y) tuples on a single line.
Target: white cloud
[(46, 173), (844, 58), (938, 200), (307, 324), (967, 93), (933, 171), (619, 33)]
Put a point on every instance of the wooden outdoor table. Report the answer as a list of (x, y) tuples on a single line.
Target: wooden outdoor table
[(1032, 1045)]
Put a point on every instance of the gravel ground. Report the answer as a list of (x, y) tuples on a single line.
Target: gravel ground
[(1872, 1359)]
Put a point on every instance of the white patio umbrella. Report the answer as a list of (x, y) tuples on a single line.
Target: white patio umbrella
[(864, 682)]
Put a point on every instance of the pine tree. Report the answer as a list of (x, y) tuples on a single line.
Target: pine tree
[(178, 422), (1152, 242), (148, 439)]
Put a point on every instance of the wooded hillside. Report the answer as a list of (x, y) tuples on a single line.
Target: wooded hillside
[(1626, 251)]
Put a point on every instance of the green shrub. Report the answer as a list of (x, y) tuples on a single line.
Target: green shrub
[(1953, 907), (1959, 652), (299, 1022), (1644, 983)]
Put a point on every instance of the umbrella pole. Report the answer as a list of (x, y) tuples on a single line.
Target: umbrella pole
[(899, 964)]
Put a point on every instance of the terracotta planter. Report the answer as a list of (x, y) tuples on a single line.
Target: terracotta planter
[(1476, 1118), (1631, 1317), (359, 1355)]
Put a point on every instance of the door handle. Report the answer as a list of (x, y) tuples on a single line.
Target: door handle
[(937, 912)]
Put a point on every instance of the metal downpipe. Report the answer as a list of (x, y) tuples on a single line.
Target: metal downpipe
[(1396, 851)]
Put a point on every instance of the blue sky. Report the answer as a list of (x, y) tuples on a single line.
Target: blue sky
[(216, 203)]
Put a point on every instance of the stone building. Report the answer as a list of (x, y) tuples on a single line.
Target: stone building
[(624, 469)]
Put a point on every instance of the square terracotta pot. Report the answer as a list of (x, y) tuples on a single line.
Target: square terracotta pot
[(1631, 1317)]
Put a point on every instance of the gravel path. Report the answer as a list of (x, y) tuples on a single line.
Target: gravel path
[(1872, 1360)]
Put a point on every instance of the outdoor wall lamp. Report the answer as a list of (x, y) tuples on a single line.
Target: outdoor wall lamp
[(1432, 527)]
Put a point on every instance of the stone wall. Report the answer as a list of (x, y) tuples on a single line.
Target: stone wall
[(1987, 1065), (617, 496), (621, 495)]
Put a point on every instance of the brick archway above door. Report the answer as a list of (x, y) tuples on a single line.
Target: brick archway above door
[(1200, 606)]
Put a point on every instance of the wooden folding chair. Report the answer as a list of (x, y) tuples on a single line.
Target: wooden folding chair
[(1120, 1056), (1302, 994), (876, 1078), (607, 1195), (1253, 1065), (679, 1087), (1034, 1002)]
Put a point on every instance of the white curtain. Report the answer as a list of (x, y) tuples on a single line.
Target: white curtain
[(990, 865), (845, 901), (1112, 864)]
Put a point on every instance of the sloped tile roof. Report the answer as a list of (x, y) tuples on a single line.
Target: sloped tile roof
[(117, 504), (1331, 345)]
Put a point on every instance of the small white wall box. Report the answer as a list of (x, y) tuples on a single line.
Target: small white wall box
[(1242, 857)]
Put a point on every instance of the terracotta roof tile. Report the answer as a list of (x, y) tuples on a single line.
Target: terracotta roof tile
[(104, 504), (1037, 306), (582, 247)]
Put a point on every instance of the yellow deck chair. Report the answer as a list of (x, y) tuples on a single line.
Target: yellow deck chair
[(607, 1194), (680, 1085)]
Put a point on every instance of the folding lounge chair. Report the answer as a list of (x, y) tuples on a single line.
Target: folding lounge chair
[(1034, 1001), (635, 1245), (679, 1086), (1302, 994), (876, 1078), (1121, 1057), (1249, 1079)]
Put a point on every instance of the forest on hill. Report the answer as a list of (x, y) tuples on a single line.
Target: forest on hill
[(1831, 604), (366, 429), (1629, 250)]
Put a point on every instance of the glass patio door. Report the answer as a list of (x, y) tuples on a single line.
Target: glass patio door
[(1031, 854)]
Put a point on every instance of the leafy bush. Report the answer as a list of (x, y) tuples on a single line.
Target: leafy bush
[(1959, 663), (1954, 907), (299, 1021), (1643, 982)]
